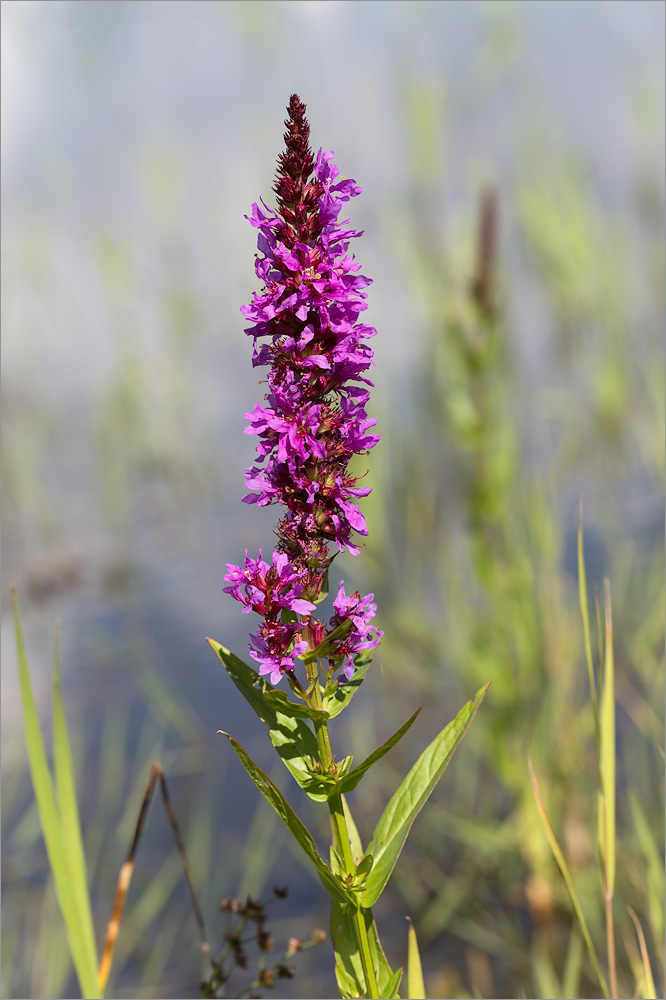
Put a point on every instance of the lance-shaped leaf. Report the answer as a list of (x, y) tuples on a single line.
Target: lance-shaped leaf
[(338, 694), (248, 682), (415, 984), (297, 828), (281, 703), (264, 699), (348, 965), (387, 980), (352, 832), (297, 748), (289, 733), (390, 991), (352, 779), (396, 820), (347, 986)]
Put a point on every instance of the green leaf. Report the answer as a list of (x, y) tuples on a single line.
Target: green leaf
[(396, 820), (354, 838), (387, 980), (352, 779), (249, 683), (390, 991), (297, 748), (289, 733), (338, 694), (263, 698), (346, 984), (348, 965), (365, 865), (281, 703), (69, 812), (336, 862), (52, 827), (299, 831), (415, 984)]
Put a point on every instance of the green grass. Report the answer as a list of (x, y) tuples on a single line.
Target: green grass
[(472, 555)]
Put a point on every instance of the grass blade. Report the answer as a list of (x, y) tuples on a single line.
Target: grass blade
[(69, 810), (566, 875), (607, 782), (584, 611), (649, 991), (655, 882), (607, 753), (50, 821), (415, 984), (600, 638), (573, 964)]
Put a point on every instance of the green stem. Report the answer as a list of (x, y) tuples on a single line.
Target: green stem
[(343, 842), (321, 729), (341, 833)]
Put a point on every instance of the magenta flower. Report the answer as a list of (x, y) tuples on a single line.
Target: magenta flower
[(267, 589), (275, 649), (360, 611), (305, 325)]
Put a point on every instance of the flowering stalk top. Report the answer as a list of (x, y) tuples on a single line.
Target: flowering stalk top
[(306, 329)]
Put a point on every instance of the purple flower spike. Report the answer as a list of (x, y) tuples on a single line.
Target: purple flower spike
[(306, 328)]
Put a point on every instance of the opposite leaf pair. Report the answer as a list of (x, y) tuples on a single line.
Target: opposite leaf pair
[(354, 887)]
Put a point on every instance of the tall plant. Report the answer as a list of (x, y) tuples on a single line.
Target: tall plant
[(306, 327)]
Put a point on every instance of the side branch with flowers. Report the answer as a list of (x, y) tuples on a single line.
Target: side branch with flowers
[(306, 327)]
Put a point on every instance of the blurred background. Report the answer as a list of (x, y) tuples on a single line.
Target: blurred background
[(512, 160)]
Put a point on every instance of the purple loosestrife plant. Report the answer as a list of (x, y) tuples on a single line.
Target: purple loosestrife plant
[(306, 328)]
